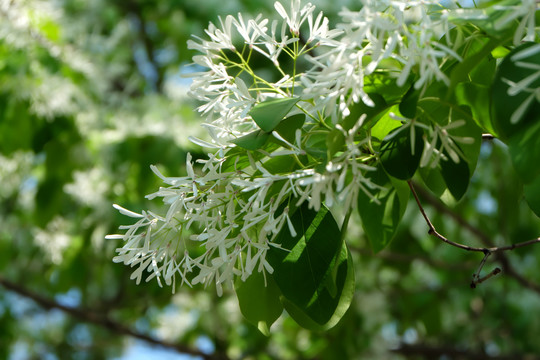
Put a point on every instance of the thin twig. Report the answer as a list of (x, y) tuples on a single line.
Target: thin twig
[(507, 267), (480, 280), (433, 231), (476, 275), (487, 251), (441, 208), (103, 321)]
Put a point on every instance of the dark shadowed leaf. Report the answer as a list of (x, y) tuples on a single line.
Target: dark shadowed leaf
[(382, 212), (316, 258), (397, 157)]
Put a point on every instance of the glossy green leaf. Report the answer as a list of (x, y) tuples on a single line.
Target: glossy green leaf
[(398, 157), (301, 272), (378, 84), (511, 113), (382, 212), (342, 280), (259, 301), (469, 130), (385, 124), (280, 165), (268, 114), (252, 141)]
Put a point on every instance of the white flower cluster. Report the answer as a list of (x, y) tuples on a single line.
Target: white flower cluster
[(235, 219), (379, 32), (230, 87), (226, 214)]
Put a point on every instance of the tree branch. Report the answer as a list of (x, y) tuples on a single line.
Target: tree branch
[(433, 231), (488, 250), (103, 321)]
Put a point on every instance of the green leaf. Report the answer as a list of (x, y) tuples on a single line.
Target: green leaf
[(433, 180), (512, 114), (316, 146), (382, 213), (280, 165), (407, 106), (460, 72), (268, 114), (524, 150), (334, 142), (252, 141), (444, 113), (343, 284), (287, 127), (259, 302), (385, 124), (477, 98), (456, 176), (398, 158), (302, 272)]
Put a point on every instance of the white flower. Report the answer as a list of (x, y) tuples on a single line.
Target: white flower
[(296, 16), (433, 153), (526, 10)]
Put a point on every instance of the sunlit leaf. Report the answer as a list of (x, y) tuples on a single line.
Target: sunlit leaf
[(259, 301)]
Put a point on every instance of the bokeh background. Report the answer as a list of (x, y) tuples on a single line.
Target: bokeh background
[(94, 92)]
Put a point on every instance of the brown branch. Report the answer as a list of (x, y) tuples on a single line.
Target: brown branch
[(103, 321), (478, 280), (479, 234), (487, 251), (441, 208), (493, 249)]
